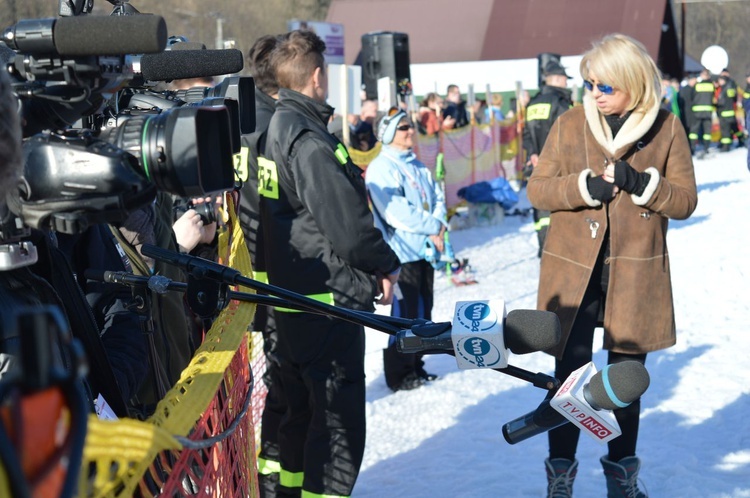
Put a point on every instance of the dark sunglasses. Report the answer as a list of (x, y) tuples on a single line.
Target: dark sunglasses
[(605, 89), (404, 127)]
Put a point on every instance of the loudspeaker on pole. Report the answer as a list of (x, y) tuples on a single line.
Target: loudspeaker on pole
[(384, 54)]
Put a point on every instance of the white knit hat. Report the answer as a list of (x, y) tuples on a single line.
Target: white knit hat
[(387, 127)]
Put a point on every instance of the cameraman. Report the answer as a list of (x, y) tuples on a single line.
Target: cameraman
[(114, 353)]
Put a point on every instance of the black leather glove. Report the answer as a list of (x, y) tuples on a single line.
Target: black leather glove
[(600, 189), (629, 179), (527, 171)]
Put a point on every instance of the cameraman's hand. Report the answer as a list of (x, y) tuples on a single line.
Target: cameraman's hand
[(209, 230), (189, 230)]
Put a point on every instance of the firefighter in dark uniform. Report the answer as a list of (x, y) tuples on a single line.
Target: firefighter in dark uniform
[(686, 95), (552, 100), (702, 111), (320, 240), (726, 105), (253, 151)]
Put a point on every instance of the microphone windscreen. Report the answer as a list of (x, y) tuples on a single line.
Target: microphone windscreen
[(180, 64), (617, 385), (94, 274), (81, 36), (527, 331)]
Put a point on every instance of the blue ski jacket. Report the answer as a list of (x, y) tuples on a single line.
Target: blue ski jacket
[(408, 205)]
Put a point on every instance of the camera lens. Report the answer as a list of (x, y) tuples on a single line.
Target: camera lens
[(206, 211), (185, 151)]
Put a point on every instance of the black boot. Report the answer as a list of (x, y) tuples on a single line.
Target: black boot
[(561, 473), (399, 369), (622, 478)]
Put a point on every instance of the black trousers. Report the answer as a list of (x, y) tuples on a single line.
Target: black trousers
[(416, 282), (274, 407), (700, 132), (322, 433), (563, 441)]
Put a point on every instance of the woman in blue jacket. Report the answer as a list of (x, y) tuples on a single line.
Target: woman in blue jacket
[(409, 208)]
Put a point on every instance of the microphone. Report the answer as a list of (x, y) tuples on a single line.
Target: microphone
[(180, 64), (156, 283), (480, 338), (584, 399), (81, 36), (616, 386)]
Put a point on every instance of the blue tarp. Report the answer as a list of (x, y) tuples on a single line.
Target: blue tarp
[(495, 190)]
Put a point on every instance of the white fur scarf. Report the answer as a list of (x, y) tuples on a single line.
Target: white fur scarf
[(636, 126)]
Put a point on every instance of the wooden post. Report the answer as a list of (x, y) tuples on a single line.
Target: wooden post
[(344, 78)]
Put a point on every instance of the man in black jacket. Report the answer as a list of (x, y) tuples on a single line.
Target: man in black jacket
[(320, 241), (551, 101)]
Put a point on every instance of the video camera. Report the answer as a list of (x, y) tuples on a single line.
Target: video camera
[(98, 140)]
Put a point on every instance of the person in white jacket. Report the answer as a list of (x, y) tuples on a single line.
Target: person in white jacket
[(409, 208)]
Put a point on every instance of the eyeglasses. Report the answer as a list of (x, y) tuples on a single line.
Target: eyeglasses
[(405, 127), (605, 89)]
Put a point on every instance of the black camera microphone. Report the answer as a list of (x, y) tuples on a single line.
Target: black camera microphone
[(180, 64), (615, 386), (88, 35), (523, 332), (156, 283)]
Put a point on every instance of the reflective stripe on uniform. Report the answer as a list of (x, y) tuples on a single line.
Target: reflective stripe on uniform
[(291, 479), (542, 223), (703, 108), (538, 112), (240, 164), (268, 178), (727, 114), (308, 494), (341, 153), (326, 298), (705, 87), (268, 467)]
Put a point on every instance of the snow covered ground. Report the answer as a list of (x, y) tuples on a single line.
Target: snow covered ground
[(445, 440)]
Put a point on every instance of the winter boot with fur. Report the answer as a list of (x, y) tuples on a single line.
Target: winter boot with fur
[(622, 478), (560, 475)]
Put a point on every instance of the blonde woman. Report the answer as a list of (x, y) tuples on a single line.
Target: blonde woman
[(612, 173)]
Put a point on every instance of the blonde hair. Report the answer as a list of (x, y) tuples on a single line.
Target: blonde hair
[(623, 62)]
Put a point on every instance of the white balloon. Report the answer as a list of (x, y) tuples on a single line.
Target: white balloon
[(715, 59)]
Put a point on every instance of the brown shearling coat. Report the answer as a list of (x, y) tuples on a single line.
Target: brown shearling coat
[(639, 312)]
